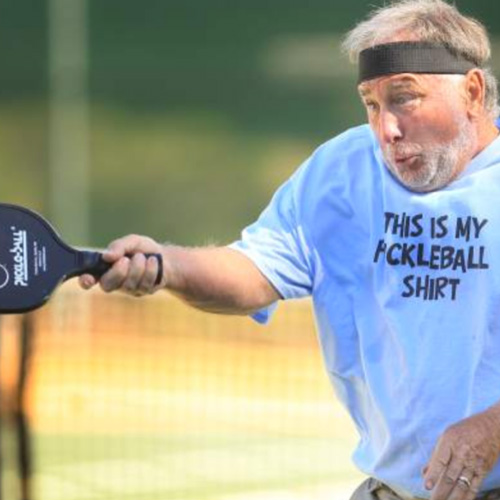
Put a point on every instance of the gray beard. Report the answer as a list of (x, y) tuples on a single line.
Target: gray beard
[(439, 163)]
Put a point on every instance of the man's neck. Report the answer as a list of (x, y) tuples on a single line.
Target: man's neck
[(487, 133)]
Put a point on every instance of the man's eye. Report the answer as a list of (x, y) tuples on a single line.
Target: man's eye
[(371, 106), (404, 98)]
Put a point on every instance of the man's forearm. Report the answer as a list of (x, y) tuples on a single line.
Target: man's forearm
[(216, 279)]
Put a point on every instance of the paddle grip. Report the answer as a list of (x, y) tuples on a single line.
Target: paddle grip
[(93, 263)]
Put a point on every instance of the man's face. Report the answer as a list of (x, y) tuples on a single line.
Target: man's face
[(422, 126)]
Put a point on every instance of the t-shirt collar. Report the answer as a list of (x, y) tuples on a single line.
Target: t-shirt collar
[(488, 156)]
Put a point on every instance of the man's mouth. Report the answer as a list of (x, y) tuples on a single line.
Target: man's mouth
[(406, 160)]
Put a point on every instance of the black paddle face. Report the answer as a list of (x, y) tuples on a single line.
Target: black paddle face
[(33, 260)]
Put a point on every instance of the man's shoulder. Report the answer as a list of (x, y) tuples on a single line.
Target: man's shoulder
[(349, 153), (349, 159), (354, 140)]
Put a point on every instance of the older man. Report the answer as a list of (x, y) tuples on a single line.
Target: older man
[(393, 229)]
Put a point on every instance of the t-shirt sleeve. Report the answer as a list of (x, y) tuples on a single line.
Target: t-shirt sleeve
[(277, 245)]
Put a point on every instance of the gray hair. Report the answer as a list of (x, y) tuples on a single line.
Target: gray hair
[(428, 21)]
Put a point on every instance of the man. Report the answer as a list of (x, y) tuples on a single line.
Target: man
[(392, 227)]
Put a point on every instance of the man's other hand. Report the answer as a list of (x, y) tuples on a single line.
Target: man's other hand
[(463, 456)]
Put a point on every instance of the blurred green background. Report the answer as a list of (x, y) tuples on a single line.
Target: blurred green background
[(197, 110)]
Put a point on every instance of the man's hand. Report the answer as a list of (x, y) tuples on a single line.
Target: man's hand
[(135, 274), (464, 455), (215, 279)]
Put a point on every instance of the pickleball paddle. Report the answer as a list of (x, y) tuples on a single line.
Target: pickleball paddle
[(34, 260)]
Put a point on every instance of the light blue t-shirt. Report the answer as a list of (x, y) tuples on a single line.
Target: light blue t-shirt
[(406, 294)]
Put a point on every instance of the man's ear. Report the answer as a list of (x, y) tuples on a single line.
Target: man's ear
[(475, 90)]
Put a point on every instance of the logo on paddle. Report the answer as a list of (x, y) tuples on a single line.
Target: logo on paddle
[(20, 251)]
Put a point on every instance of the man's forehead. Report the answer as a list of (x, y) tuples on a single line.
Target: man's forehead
[(392, 82)]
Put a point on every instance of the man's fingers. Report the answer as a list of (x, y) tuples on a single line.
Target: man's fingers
[(130, 244), (135, 273), (87, 281), (474, 487), (448, 480), (118, 248), (464, 455), (114, 278), (130, 269), (148, 281), (467, 486), (463, 486), (436, 466), (111, 256)]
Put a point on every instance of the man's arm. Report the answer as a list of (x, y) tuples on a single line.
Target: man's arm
[(214, 279)]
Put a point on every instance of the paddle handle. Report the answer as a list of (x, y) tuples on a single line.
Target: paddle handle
[(93, 263)]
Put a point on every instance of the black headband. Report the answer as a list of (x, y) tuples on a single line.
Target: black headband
[(410, 57)]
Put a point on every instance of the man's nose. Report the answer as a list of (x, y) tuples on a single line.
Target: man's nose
[(390, 129)]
